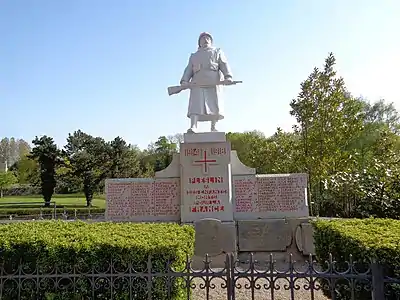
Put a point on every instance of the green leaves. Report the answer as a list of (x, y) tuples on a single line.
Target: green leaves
[(84, 246), (365, 240), (48, 156), (6, 180)]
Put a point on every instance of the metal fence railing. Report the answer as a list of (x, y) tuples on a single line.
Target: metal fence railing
[(249, 279)]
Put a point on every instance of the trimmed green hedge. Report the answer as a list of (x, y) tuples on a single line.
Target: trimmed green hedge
[(364, 239), (83, 246)]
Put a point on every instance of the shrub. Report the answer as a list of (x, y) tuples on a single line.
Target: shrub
[(364, 239), (79, 247), (22, 190)]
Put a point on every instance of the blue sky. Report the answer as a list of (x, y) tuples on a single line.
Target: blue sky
[(104, 66)]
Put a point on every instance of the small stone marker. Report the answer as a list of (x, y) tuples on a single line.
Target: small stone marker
[(214, 237), (305, 238), (264, 235)]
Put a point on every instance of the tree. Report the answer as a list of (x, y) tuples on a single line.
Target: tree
[(159, 154), (328, 119), (11, 150), (47, 155), (6, 180), (125, 159), (90, 159)]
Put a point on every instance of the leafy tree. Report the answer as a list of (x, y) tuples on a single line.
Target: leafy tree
[(6, 180), (328, 119), (11, 150), (47, 155), (159, 154), (27, 170), (125, 159), (90, 159)]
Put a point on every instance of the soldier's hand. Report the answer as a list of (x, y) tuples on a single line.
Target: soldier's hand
[(228, 80), (184, 82)]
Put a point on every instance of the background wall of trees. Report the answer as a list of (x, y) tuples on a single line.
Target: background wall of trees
[(349, 147)]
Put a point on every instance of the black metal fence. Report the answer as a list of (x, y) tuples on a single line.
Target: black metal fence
[(249, 279)]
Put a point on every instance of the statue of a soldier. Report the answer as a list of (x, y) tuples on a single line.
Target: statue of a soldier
[(206, 72)]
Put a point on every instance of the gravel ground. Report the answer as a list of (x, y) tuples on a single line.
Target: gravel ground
[(264, 293)]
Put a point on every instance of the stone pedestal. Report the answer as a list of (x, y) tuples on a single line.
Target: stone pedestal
[(206, 184), (206, 195)]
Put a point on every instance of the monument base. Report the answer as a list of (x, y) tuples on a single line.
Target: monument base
[(215, 239), (204, 137)]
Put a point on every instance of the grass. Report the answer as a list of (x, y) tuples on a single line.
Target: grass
[(32, 204)]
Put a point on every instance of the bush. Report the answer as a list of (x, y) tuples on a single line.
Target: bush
[(364, 239), (22, 190), (79, 247)]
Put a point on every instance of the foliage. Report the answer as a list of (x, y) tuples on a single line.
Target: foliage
[(6, 180), (159, 155), (48, 157), (350, 147), (89, 159), (87, 246), (12, 149), (365, 240), (21, 190)]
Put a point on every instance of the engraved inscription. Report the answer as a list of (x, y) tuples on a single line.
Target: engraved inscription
[(281, 193), (153, 198), (245, 188)]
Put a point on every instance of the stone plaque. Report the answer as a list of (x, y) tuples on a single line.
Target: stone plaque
[(142, 199), (245, 193), (272, 196), (264, 235), (214, 237), (205, 181)]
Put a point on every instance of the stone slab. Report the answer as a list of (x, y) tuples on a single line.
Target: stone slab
[(264, 235), (204, 137), (206, 182), (305, 239), (143, 199), (238, 168), (214, 237), (270, 196)]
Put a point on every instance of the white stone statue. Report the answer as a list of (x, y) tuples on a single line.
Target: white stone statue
[(206, 72)]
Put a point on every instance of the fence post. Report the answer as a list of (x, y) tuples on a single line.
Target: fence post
[(378, 283)]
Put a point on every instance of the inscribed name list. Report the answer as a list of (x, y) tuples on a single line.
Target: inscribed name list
[(281, 193), (205, 180), (246, 193), (143, 199)]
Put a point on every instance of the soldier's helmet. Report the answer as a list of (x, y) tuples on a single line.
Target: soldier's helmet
[(204, 34)]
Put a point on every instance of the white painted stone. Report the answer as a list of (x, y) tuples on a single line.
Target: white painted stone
[(142, 199), (270, 196), (238, 168), (204, 137), (172, 171), (206, 181)]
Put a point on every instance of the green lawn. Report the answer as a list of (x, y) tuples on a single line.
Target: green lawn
[(35, 202)]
